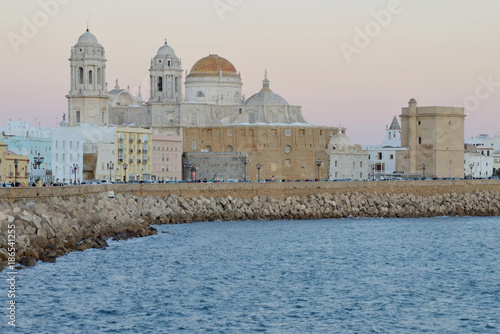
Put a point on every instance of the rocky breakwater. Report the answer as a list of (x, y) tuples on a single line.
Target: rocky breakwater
[(50, 227)]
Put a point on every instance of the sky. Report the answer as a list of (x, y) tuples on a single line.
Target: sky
[(348, 63)]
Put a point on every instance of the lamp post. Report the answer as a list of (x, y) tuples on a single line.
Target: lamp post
[(75, 168), (125, 166), (111, 166), (37, 161), (15, 172), (424, 166), (373, 171), (259, 166), (318, 163), (471, 166), (245, 162)]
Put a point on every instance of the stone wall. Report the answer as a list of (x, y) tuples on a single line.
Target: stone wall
[(248, 190)]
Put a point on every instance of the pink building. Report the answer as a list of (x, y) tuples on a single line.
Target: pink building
[(166, 158)]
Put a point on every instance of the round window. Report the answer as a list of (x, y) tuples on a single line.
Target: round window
[(287, 149)]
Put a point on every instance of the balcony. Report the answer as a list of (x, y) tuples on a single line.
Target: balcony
[(131, 140), (130, 160), (144, 150), (138, 141), (120, 140), (138, 161), (145, 159), (130, 151), (138, 150)]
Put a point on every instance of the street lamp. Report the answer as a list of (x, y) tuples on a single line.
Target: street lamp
[(38, 160), (75, 168), (15, 172), (424, 166), (245, 162), (125, 166), (318, 163), (111, 166), (373, 169), (259, 166), (471, 166)]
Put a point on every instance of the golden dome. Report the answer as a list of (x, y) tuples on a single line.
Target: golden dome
[(211, 65)]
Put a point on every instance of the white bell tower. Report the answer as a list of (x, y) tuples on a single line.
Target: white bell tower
[(166, 88), (88, 97)]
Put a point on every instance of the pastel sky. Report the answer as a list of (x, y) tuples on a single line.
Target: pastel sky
[(444, 52)]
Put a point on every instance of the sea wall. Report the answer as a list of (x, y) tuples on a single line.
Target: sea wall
[(48, 227)]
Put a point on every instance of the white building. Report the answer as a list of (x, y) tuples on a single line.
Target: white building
[(347, 161), (67, 153), (383, 157), (478, 162)]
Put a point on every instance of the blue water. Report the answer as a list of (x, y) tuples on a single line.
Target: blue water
[(438, 275)]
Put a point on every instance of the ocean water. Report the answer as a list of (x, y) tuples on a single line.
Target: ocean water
[(436, 275)]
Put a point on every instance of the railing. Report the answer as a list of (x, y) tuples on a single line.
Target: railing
[(131, 140), (138, 161), (120, 140), (138, 141)]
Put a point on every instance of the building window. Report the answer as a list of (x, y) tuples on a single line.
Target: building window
[(391, 157), (361, 164), (419, 140), (288, 133), (229, 133), (379, 155), (90, 77), (209, 148), (194, 118), (99, 78), (160, 84), (287, 162), (230, 148), (287, 149), (419, 122), (78, 116), (80, 75), (193, 145), (200, 94), (251, 118), (335, 163)]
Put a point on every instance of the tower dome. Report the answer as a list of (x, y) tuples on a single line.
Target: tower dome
[(166, 50), (266, 96), (212, 66), (87, 39)]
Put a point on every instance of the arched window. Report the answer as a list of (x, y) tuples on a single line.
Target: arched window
[(90, 77), (230, 148), (200, 94), (176, 84), (80, 75), (160, 84), (99, 76), (209, 148), (194, 118), (389, 135), (102, 117), (78, 116)]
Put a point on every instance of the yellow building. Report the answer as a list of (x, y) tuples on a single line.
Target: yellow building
[(133, 147), (8, 168), (434, 137)]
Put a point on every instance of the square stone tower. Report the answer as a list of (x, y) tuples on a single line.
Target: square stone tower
[(434, 137)]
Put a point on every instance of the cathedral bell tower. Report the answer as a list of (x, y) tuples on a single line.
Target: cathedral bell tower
[(166, 88), (88, 97)]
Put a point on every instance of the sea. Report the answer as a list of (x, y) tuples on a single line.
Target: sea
[(429, 275)]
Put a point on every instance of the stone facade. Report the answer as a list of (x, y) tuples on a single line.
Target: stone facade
[(284, 151), (347, 161), (434, 137)]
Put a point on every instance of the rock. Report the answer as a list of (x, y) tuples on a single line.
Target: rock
[(27, 261)]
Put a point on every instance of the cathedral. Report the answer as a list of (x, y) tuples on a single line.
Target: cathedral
[(224, 135)]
